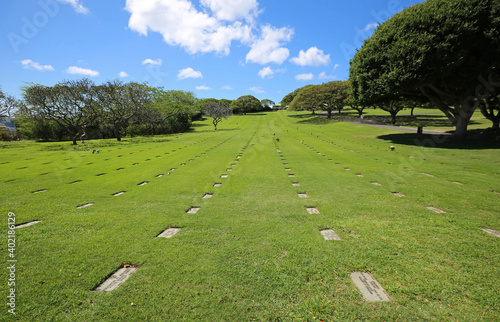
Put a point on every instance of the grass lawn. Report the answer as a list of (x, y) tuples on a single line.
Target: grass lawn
[(252, 251)]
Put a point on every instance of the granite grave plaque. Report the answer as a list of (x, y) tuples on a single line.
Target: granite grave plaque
[(372, 291), (169, 233), (329, 234), (193, 210), (439, 211), (116, 280), (85, 205), (312, 210), (27, 224), (491, 231)]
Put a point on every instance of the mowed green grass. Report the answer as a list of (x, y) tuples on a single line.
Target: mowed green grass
[(252, 251)]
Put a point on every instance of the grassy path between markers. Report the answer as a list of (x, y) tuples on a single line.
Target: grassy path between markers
[(252, 251)]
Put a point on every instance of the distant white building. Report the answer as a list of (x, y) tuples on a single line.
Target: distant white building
[(7, 123), (276, 107)]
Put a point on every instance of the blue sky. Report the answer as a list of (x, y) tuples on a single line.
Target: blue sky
[(214, 48)]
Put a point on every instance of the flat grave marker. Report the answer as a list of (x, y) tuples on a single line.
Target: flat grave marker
[(119, 169), (295, 184), (439, 211), (303, 195), (429, 175), (85, 205), (169, 232), (135, 164), (376, 184), (224, 176), (291, 176), (117, 279), (398, 194), (160, 175), (217, 185), (193, 210), (329, 234), (491, 231), (312, 210), (288, 169), (372, 291), (207, 195), (229, 169), (75, 181), (38, 191), (100, 174), (143, 183), (359, 175), (347, 169), (118, 193), (27, 224), (456, 182)]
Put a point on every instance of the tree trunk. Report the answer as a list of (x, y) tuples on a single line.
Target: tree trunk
[(75, 137), (496, 124), (117, 134), (462, 121), (329, 114), (393, 117), (412, 110), (340, 109)]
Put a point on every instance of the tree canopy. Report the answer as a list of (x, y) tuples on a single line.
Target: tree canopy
[(217, 111), (447, 51), (245, 104)]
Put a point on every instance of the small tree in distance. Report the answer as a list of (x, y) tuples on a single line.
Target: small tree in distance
[(217, 111)]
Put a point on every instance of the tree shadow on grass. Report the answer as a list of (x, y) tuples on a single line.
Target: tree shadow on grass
[(441, 141), (303, 116)]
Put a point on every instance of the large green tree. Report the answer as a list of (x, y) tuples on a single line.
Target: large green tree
[(334, 95), (245, 104), (309, 98), (445, 50)]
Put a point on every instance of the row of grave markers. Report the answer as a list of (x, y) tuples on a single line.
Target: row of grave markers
[(365, 282), (123, 273)]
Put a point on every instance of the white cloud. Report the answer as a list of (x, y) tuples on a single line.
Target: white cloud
[(268, 49), (151, 62), (304, 77), (231, 10), (122, 74), (369, 27), (335, 67), (323, 75), (227, 88), (189, 73), (202, 88), (82, 71), (181, 24), (29, 64), (258, 90), (266, 72), (76, 4), (312, 57)]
